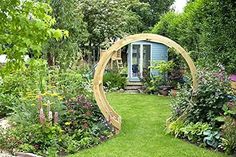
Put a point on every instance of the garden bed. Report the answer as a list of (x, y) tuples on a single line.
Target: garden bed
[(50, 112)]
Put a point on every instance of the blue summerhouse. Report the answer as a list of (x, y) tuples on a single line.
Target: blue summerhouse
[(143, 54)]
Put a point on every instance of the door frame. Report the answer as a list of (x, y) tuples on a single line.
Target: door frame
[(137, 79)]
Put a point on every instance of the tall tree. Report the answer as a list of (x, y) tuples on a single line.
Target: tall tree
[(68, 16), (207, 28), (24, 28), (151, 10), (107, 19)]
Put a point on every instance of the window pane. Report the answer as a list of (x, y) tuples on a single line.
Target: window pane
[(146, 56), (135, 60)]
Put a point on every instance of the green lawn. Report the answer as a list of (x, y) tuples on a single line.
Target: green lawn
[(142, 133)]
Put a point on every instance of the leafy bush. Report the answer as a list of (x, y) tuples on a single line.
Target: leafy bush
[(181, 102), (198, 133), (229, 135), (82, 114), (194, 132), (35, 138), (113, 80), (198, 115), (36, 78), (70, 83), (212, 138), (30, 79), (206, 103), (47, 115), (201, 28), (210, 97), (38, 130), (7, 101), (151, 82)]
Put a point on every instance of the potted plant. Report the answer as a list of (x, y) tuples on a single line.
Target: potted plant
[(163, 68)]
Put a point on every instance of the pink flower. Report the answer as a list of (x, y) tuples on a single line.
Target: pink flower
[(56, 118), (42, 118)]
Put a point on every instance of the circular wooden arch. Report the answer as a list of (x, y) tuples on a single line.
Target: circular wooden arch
[(111, 116)]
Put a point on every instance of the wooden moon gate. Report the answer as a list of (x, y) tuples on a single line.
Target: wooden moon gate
[(111, 116)]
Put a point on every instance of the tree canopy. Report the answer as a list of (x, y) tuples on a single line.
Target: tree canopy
[(68, 16), (206, 29), (25, 26)]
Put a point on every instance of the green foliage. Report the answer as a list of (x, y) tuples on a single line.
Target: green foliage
[(114, 80), (195, 132), (198, 133), (67, 51), (162, 66), (229, 135), (36, 138), (210, 97), (28, 82), (25, 27), (152, 83), (181, 102), (30, 79), (202, 112), (83, 121), (107, 19), (26, 79), (38, 101), (203, 28), (207, 102), (7, 101), (175, 127), (150, 11), (212, 138), (70, 83)]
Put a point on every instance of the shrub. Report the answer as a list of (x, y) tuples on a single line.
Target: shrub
[(83, 115), (35, 138), (201, 112), (229, 135), (28, 79), (47, 115), (195, 132), (201, 28), (206, 103), (112, 80), (152, 83), (37, 78), (70, 83), (210, 97), (181, 102), (7, 101), (79, 125)]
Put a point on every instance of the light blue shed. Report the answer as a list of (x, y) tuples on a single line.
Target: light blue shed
[(143, 54)]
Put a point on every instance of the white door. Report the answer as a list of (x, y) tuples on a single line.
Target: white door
[(140, 60)]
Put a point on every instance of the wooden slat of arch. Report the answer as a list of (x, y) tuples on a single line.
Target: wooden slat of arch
[(99, 93)]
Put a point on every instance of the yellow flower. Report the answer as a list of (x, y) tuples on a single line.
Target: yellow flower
[(54, 94), (67, 123), (60, 97)]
